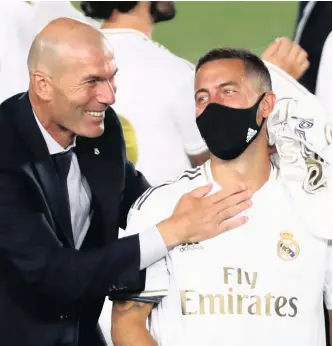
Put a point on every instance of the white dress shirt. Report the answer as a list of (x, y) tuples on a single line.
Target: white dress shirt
[(152, 246)]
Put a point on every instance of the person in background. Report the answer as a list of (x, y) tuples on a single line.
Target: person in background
[(20, 22), (324, 89), (162, 111), (314, 23), (14, 46), (158, 83), (313, 26)]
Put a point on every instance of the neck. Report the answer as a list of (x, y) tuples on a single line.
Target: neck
[(252, 167), (140, 21), (61, 135)]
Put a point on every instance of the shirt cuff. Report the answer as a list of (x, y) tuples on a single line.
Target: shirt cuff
[(152, 247)]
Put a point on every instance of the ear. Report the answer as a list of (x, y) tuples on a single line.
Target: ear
[(42, 85), (267, 105)]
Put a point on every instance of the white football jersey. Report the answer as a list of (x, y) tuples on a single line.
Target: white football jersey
[(155, 93), (260, 284), (15, 18), (20, 22)]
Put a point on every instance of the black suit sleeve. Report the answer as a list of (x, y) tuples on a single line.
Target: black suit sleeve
[(30, 251), (135, 185)]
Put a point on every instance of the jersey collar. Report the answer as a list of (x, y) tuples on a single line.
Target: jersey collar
[(208, 175), (125, 31)]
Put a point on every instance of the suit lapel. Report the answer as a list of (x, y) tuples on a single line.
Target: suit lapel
[(43, 165), (102, 162)]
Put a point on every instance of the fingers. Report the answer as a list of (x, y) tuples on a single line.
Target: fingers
[(201, 191), (188, 200), (288, 56), (232, 211), (285, 46), (301, 56), (270, 51), (232, 200), (303, 67), (232, 224), (295, 51), (225, 193)]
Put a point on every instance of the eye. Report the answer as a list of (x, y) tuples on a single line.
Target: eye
[(202, 99), (91, 81), (229, 91)]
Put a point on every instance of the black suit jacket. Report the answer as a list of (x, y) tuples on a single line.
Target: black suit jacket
[(313, 37), (50, 293)]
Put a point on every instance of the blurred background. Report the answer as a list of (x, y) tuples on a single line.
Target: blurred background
[(201, 25), (197, 27)]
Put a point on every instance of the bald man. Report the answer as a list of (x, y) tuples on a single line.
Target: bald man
[(66, 188)]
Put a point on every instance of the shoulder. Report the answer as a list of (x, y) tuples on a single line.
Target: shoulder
[(169, 58), (158, 202), (10, 144), (169, 193), (8, 108), (283, 84), (160, 56)]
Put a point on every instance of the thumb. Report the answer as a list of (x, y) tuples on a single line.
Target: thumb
[(201, 191)]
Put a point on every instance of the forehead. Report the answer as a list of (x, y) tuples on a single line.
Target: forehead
[(219, 71), (97, 60)]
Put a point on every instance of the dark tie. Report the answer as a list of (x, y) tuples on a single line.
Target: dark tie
[(62, 162)]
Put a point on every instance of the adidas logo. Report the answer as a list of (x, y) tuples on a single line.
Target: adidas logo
[(250, 134), (191, 247)]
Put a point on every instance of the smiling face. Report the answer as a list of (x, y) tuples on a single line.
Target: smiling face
[(225, 82), (82, 90)]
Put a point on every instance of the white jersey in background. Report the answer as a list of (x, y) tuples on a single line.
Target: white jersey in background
[(261, 284), (20, 22), (155, 93), (14, 20)]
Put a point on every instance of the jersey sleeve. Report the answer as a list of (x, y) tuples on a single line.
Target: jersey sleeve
[(283, 84), (140, 218), (328, 280), (183, 115)]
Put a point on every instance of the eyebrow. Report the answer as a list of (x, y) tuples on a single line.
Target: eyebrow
[(92, 76), (222, 85)]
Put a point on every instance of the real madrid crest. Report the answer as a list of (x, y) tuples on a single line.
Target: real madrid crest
[(287, 248)]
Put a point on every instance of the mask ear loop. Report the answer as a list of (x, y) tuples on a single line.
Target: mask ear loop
[(258, 103)]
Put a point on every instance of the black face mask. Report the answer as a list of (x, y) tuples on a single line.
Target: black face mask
[(229, 131)]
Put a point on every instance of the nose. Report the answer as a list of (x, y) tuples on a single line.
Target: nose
[(216, 98), (106, 93)]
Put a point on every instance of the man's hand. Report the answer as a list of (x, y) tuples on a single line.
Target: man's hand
[(287, 55), (196, 218)]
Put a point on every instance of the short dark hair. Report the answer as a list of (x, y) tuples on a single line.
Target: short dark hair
[(253, 65), (103, 9)]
